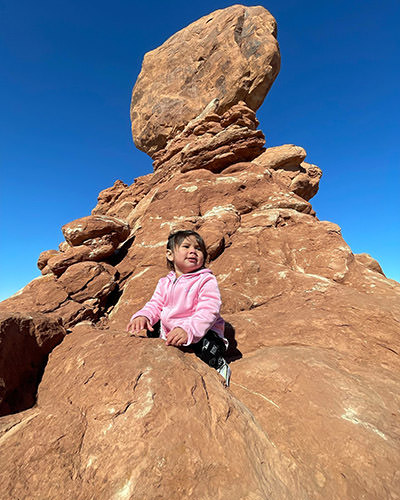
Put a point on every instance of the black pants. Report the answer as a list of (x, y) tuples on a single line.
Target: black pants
[(210, 349)]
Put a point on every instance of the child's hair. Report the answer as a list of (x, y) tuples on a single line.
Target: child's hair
[(175, 239)]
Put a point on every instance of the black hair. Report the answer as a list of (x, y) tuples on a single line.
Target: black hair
[(175, 240)]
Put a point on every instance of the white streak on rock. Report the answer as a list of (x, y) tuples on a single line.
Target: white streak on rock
[(222, 277), (350, 416), (187, 189), (15, 428), (159, 244), (229, 179), (219, 211), (125, 491), (139, 274), (108, 428), (318, 287), (255, 393), (90, 461), (147, 405)]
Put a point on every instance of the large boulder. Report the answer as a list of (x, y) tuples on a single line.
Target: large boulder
[(369, 262), (231, 55), (121, 417), (87, 228)]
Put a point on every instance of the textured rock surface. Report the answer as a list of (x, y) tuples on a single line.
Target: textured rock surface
[(289, 168), (25, 342), (312, 411), (118, 432), (213, 142), (79, 294), (231, 54), (91, 238), (44, 258), (85, 229), (286, 156), (369, 262)]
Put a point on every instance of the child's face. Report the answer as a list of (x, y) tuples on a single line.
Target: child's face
[(187, 257)]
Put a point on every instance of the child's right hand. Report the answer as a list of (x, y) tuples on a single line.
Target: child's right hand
[(139, 323)]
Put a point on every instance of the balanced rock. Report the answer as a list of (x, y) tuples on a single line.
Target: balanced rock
[(44, 258), (305, 182), (231, 55), (287, 156)]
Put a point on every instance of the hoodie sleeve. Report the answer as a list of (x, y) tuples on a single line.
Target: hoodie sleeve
[(154, 306), (206, 313)]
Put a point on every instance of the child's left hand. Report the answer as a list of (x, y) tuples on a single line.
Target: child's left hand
[(177, 337)]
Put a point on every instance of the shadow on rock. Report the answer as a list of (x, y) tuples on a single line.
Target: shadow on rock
[(233, 352)]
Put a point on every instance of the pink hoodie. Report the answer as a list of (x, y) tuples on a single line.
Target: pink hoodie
[(191, 302)]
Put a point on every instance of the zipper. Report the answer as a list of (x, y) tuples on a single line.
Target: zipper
[(177, 278), (173, 287)]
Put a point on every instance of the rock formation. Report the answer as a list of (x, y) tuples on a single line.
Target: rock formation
[(25, 342), (312, 410), (231, 55)]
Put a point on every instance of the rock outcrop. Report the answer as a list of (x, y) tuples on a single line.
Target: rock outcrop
[(91, 238), (289, 168), (25, 342), (314, 330), (79, 279), (231, 55), (212, 141)]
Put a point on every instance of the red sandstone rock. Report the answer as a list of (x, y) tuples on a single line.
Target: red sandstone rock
[(306, 183), (89, 281), (122, 199), (129, 418), (369, 262), (25, 342), (59, 263), (232, 138), (63, 246), (231, 55), (78, 295), (91, 238), (289, 168), (286, 156), (95, 249), (44, 257), (94, 226), (314, 341)]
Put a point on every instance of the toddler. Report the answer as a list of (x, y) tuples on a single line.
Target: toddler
[(184, 309)]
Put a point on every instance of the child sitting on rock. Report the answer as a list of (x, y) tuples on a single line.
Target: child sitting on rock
[(184, 309)]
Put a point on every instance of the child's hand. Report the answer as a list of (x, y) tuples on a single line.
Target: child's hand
[(139, 323), (177, 337)]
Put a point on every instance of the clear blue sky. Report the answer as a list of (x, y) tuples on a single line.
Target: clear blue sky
[(67, 71)]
